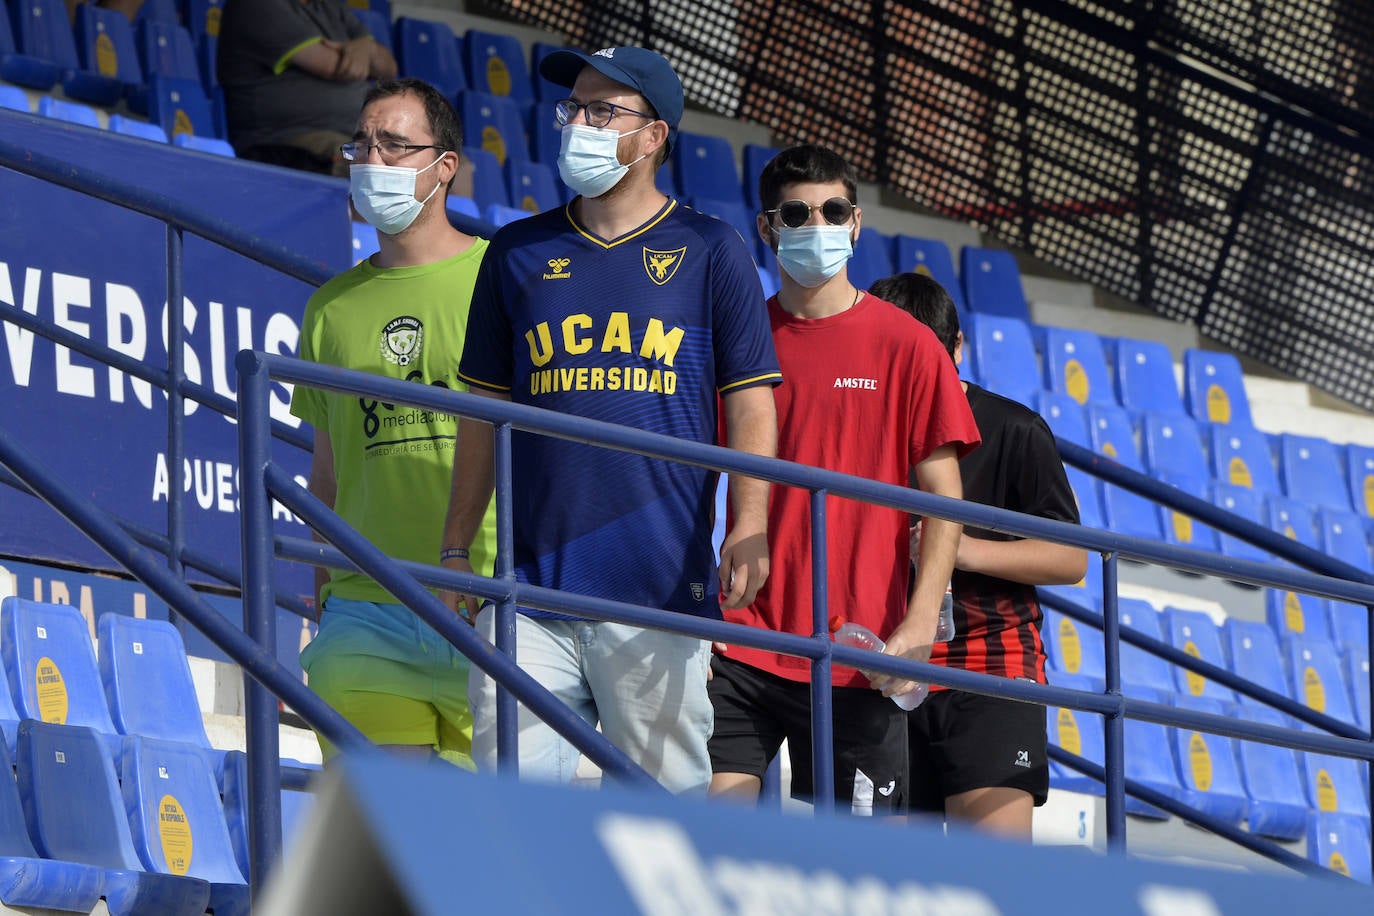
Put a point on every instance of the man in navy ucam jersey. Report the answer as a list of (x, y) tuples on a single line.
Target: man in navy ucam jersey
[(629, 308)]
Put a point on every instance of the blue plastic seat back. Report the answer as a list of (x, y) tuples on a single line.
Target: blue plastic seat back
[(1171, 442), (768, 279), (1311, 469), (496, 64), (376, 6), (24, 68), (106, 46), (1318, 682), (1249, 505), (212, 145), (71, 112), (180, 107), (1072, 647), (1214, 387), (378, 26), (734, 213), (704, 166), (1272, 780), (50, 663), (1088, 494), (1333, 784), (147, 680), (1359, 465), (1076, 365), (494, 124), (933, 256), (1144, 371), (1356, 663), (1340, 842), (295, 806), (1079, 733), (1293, 519), (499, 215), (167, 51), (545, 139), (1005, 353), (533, 186), (159, 11), (429, 51), (1150, 758), (756, 156), (365, 242), (1064, 415), (41, 30), (1349, 627), (177, 818), (1342, 537), (456, 204), (1112, 434), (203, 18), (132, 127), (488, 188), (1143, 673), (13, 98), (1197, 635), (1180, 528), (872, 259), (1253, 652), (992, 283), (1207, 767), (1240, 455), (546, 92)]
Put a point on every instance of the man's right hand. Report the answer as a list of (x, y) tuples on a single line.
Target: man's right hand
[(465, 606)]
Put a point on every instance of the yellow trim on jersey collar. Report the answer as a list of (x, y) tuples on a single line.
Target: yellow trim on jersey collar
[(662, 214)]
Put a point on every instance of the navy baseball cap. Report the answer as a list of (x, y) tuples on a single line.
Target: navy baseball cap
[(645, 71)]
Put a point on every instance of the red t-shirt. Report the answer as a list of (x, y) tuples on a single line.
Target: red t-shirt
[(869, 392)]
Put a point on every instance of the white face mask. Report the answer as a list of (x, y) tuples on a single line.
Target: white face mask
[(587, 159), (384, 195), (813, 254)]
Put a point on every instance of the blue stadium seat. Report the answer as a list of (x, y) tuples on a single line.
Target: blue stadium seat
[(50, 663), (768, 279), (378, 26), (1318, 682), (295, 806), (1310, 469), (1350, 627), (1144, 371), (1293, 519), (23, 69), (203, 17), (496, 64), (1296, 614), (365, 238), (75, 812), (1197, 635), (180, 107), (1356, 664), (429, 51), (487, 186), (1277, 808), (1249, 505), (704, 166), (545, 91), (1207, 767), (1214, 387), (1088, 494), (1111, 433), (1143, 673), (756, 156), (992, 283), (212, 145), (663, 180), (1359, 465), (1076, 365), (166, 50), (1333, 784), (25, 879), (456, 204), (494, 124), (1171, 442), (159, 11), (1005, 354), (533, 186), (1079, 733), (12, 97), (147, 681), (1180, 528), (1340, 842), (376, 6), (165, 783), (1150, 759), (1240, 455), (1064, 415), (932, 256), (132, 127), (1341, 535), (499, 215), (872, 259), (71, 112), (108, 57), (1072, 647), (207, 50), (1253, 653), (737, 215), (45, 48)]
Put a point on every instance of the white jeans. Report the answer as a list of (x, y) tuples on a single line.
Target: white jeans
[(646, 688)]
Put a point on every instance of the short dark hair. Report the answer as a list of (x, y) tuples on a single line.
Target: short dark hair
[(922, 296), (443, 120), (806, 164)]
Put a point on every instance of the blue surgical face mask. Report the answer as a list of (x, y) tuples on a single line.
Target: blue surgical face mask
[(384, 195), (587, 159), (810, 255)]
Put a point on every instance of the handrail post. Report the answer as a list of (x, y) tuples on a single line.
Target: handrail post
[(822, 724), (176, 414), (1114, 724), (259, 619), (507, 714)]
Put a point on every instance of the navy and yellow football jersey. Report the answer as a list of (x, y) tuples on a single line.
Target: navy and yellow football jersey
[(644, 331)]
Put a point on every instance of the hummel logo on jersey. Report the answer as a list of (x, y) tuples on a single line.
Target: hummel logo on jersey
[(661, 265), (868, 384), (1022, 759), (559, 268), (887, 789)]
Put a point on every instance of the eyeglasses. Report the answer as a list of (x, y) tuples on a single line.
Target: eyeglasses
[(796, 213), (598, 113), (390, 149)]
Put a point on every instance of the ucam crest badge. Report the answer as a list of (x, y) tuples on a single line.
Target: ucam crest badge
[(402, 340), (661, 265)]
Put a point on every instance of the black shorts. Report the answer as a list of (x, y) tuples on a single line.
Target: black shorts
[(963, 741), (756, 710)]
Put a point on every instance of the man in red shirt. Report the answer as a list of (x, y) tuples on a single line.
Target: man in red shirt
[(869, 391)]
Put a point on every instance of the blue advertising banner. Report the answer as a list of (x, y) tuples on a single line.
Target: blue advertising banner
[(99, 271)]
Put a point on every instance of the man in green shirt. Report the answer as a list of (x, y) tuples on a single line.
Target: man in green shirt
[(386, 469)]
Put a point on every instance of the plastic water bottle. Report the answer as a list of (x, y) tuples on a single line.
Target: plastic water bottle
[(944, 630), (858, 636)]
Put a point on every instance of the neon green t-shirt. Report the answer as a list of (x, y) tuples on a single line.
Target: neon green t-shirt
[(393, 464)]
